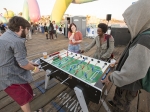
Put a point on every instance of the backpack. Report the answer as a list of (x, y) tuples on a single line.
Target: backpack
[(145, 82)]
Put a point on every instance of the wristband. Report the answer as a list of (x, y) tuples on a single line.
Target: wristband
[(34, 69)]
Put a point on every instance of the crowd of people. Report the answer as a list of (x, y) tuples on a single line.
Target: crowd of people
[(51, 30), (15, 74)]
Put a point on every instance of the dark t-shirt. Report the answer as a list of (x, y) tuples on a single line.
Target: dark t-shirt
[(45, 29)]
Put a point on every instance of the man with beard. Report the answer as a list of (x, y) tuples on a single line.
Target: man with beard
[(14, 67), (134, 65)]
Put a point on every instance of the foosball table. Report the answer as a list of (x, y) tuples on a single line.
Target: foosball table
[(79, 72)]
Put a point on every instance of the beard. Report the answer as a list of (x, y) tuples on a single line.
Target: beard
[(23, 34)]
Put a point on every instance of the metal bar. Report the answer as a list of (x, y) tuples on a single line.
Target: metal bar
[(65, 80), (82, 67)]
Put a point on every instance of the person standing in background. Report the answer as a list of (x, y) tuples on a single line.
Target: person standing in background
[(68, 25), (46, 30), (75, 38), (55, 29), (3, 28), (32, 29), (51, 29)]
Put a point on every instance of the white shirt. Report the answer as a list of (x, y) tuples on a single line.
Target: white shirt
[(54, 26)]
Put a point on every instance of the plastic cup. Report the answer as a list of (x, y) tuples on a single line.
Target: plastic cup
[(44, 55), (73, 40), (112, 62)]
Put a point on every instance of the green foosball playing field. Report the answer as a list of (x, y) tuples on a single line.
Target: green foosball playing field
[(79, 68)]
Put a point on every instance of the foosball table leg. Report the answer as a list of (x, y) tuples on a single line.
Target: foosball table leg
[(102, 101), (47, 77), (81, 99)]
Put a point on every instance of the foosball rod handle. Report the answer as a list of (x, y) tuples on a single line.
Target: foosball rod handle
[(53, 72), (54, 54), (106, 74)]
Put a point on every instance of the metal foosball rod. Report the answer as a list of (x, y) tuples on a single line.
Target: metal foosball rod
[(70, 62), (67, 54), (58, 53), (87, 72), (65, 80), (53, 54), (78, 63), (53, 72), (61, 67), (65, 60), (48, 64), (58, 56), (44, 66), (81, 68), (93, 67), (106, 63)]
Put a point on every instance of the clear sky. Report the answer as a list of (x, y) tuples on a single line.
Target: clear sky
[(99, 8)]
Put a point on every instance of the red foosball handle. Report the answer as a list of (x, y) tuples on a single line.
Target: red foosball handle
[(54, 54)]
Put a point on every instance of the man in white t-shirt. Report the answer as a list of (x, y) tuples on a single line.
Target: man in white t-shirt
[(55, 29)]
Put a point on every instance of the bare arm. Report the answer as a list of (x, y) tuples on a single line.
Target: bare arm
[(110, 49), (71, 36), (79, 41), (80, 38), (91, 45), (20, 55), (30, 66)]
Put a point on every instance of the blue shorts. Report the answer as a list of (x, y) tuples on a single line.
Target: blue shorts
[(74, 48)]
